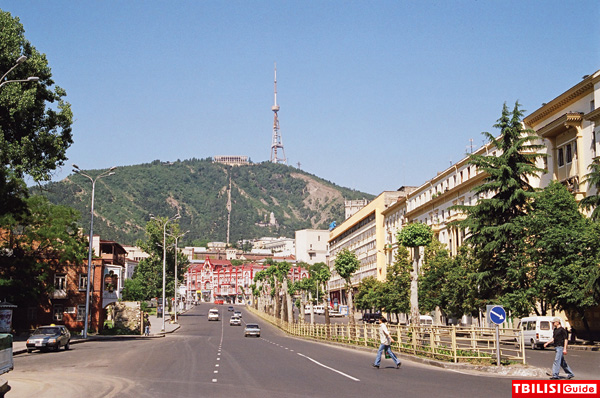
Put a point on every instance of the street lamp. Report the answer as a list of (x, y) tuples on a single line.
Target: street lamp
[(20, 60), (164, 285), (106, 173), (177, 238)]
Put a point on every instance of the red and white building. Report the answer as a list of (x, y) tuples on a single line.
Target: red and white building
[(218, 281)]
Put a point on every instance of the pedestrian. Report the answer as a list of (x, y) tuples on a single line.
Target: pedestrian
[(559, 338), (385, 338), (146, 325)]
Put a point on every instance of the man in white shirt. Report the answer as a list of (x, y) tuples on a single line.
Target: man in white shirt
[(385, 339)]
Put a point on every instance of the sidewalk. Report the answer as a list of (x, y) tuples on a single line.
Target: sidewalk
[(20, 343)]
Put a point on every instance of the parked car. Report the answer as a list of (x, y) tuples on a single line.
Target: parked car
[(252, 329), (230, 308), (536, 331), (213, 314), (49, 337), (235, 321), (237, 313), (371, 317), (319, 310), (335, 313)]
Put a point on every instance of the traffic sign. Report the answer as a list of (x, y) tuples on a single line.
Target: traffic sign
[(497, 314)]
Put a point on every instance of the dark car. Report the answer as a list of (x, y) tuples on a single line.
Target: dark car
[(230, 308), (49, 337), (371, 317)]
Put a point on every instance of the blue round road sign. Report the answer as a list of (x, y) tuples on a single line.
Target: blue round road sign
[(497, 315)]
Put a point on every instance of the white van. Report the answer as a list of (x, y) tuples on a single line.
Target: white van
[(319, 310), (536, 330)]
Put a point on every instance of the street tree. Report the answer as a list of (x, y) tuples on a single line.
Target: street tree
[(504, 196), (146, 282), (415, 236), (397, 283), (34, 246), (592, 202), (321, 274), (35, 120), (346, 264)]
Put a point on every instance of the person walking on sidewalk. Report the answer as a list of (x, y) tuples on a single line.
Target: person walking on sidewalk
[(385, 338), (146, 325), (559, 338)]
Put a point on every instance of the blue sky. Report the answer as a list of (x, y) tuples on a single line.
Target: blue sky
[(373, 94)]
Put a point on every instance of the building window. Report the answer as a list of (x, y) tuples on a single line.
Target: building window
[(569, 154), (81, 313), (82, 282), (57, 312), (561, 158), (60, 282)]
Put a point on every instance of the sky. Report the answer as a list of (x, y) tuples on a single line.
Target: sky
[(373, 95)]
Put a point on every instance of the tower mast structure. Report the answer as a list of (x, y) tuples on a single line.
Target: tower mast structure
[(276, 143)]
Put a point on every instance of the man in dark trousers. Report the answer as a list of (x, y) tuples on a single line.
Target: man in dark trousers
[(559, 338)]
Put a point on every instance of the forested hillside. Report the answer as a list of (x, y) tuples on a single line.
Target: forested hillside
[(199, 190)]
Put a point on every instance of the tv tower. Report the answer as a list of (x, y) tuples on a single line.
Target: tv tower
[(276, 144)]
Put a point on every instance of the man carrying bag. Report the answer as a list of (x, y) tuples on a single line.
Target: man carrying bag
[(386, 340)]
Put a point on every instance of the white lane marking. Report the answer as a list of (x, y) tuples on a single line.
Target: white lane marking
[(214, 380), (218, 359), (217, 365), (330, 368), (216, 371)]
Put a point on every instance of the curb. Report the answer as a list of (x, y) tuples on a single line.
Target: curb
[(110, 338)]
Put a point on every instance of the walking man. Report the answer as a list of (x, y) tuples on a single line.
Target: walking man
[(385, 338), (559, 338), (146, 325)]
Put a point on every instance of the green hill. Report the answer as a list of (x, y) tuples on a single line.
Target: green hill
[(199, 190)]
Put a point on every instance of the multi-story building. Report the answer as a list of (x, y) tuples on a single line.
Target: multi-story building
[(311, 245), (220, 281), (362, 233)]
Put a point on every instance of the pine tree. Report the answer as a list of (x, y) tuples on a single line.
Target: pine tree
[(504, 196)]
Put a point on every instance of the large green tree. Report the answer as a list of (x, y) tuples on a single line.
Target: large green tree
[(148, 275), (346, 264), (564, 248), (35, 121), (35, 245), (504, 196)]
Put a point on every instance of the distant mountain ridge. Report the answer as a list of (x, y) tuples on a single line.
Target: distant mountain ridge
[(267, 199)]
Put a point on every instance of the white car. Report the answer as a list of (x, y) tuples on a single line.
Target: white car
[(213, 314)]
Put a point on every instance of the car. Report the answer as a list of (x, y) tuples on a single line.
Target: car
[(238, 313), (49, 337), (252, 329), (537, 330), (235, 321), (230, 308), (319, 310), (335, 313), (213, 314), (371, 317)]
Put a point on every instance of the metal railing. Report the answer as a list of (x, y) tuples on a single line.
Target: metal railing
[(446, 343)]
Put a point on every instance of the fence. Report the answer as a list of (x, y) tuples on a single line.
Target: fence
[(448, 343)]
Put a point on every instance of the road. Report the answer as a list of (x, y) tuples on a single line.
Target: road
[(213, 359)]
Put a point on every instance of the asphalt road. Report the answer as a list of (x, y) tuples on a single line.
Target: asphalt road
[(213, 359)]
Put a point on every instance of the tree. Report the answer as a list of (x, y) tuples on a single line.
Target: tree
[(320, 273), (147, 277), (396, 287), (504, 196), (415, 235), (35, 121), (345, 265), (35, 245), (564, 248), (591, 202)]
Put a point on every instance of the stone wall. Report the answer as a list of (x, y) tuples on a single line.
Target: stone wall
[(128, 316)]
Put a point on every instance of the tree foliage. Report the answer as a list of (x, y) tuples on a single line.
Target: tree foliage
[(35, 121), (415, 234), (504, 196), (34, 246)]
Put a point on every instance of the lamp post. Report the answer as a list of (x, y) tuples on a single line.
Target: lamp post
[(176, 239), (107, 173), (20, 60), (164, 284)]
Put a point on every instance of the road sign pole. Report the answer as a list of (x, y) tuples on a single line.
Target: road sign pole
[(497, 345)]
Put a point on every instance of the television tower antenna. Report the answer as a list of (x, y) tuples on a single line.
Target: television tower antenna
[(276, 143)]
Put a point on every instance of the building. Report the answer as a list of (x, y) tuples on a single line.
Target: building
[(363, 233), (232, 160), (219, 281), (311, 245)]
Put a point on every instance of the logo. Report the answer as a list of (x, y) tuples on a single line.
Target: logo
[(555, 388)]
